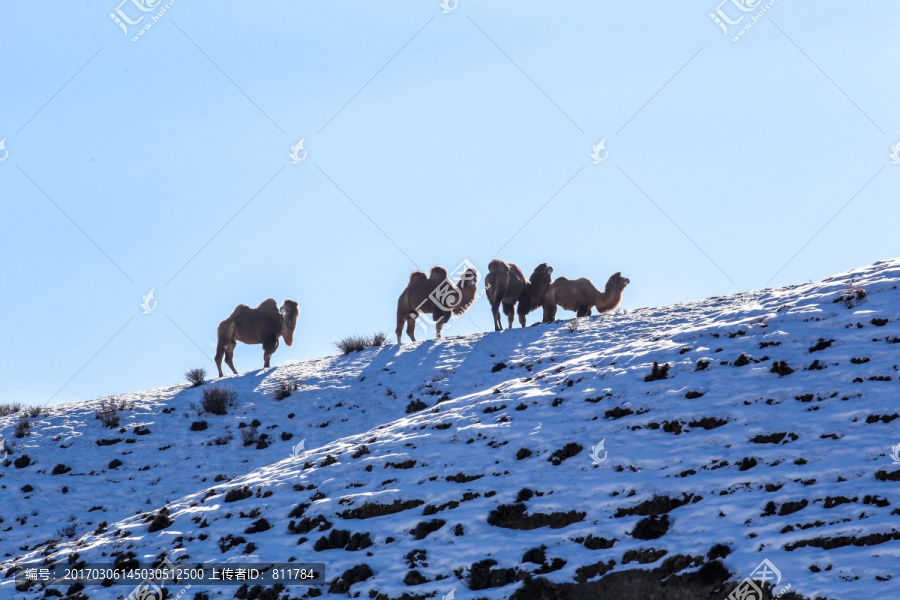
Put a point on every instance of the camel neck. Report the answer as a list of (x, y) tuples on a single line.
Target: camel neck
[(607, 300)]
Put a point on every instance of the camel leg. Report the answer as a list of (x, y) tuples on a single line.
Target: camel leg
[(220, 352), (269, 346), (399, 330), (439, 318), (584, 312), (495, 310), (509, 309), (549, 312), (229, 355), (410, 327), (523, 310), (497, 299)]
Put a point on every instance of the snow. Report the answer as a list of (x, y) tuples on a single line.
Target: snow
[(477, 418)]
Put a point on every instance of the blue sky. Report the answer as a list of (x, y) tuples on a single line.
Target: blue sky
[(432, 138)]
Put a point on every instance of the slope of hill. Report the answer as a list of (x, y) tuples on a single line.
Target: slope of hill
[(475, 466)]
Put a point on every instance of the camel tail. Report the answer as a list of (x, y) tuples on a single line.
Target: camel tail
[(490, 286), (496, 269)]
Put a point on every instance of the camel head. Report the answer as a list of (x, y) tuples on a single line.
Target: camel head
[(468, 285), (617, 283), (542, 274), (537, 285), (469, 279), (289, 313)]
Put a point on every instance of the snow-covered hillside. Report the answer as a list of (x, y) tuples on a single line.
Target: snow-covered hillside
[(472, 465)]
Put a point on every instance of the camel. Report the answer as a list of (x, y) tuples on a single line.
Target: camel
[(505, 284), (532, 298), (261, 325), (581, 296), (436, 295)]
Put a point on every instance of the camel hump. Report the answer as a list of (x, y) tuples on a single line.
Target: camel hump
[(498, 266), (268, 304), (582, 284), (417, 277), (239, 310), (438, 274)]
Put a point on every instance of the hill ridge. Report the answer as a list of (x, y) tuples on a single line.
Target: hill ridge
[(770, 435)]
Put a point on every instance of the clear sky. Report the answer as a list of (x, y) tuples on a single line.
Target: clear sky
[(431, 137)]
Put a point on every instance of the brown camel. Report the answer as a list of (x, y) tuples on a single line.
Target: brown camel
[(533, 296), (505, 284), (436, 295), (261, 325), (581, 296)]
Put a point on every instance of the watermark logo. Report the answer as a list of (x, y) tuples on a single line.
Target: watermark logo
[(450, 595), (121, 18), (599, 152), (297, 450), (721, 18), (148, 303), (895, 454), (448, 6), (895, 153), (423, 322), (746, 590), (296, 157), (764, 573), (596, 450), (148, 590), (4, 153), (726, 21), (3, 448), (445, 297)]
